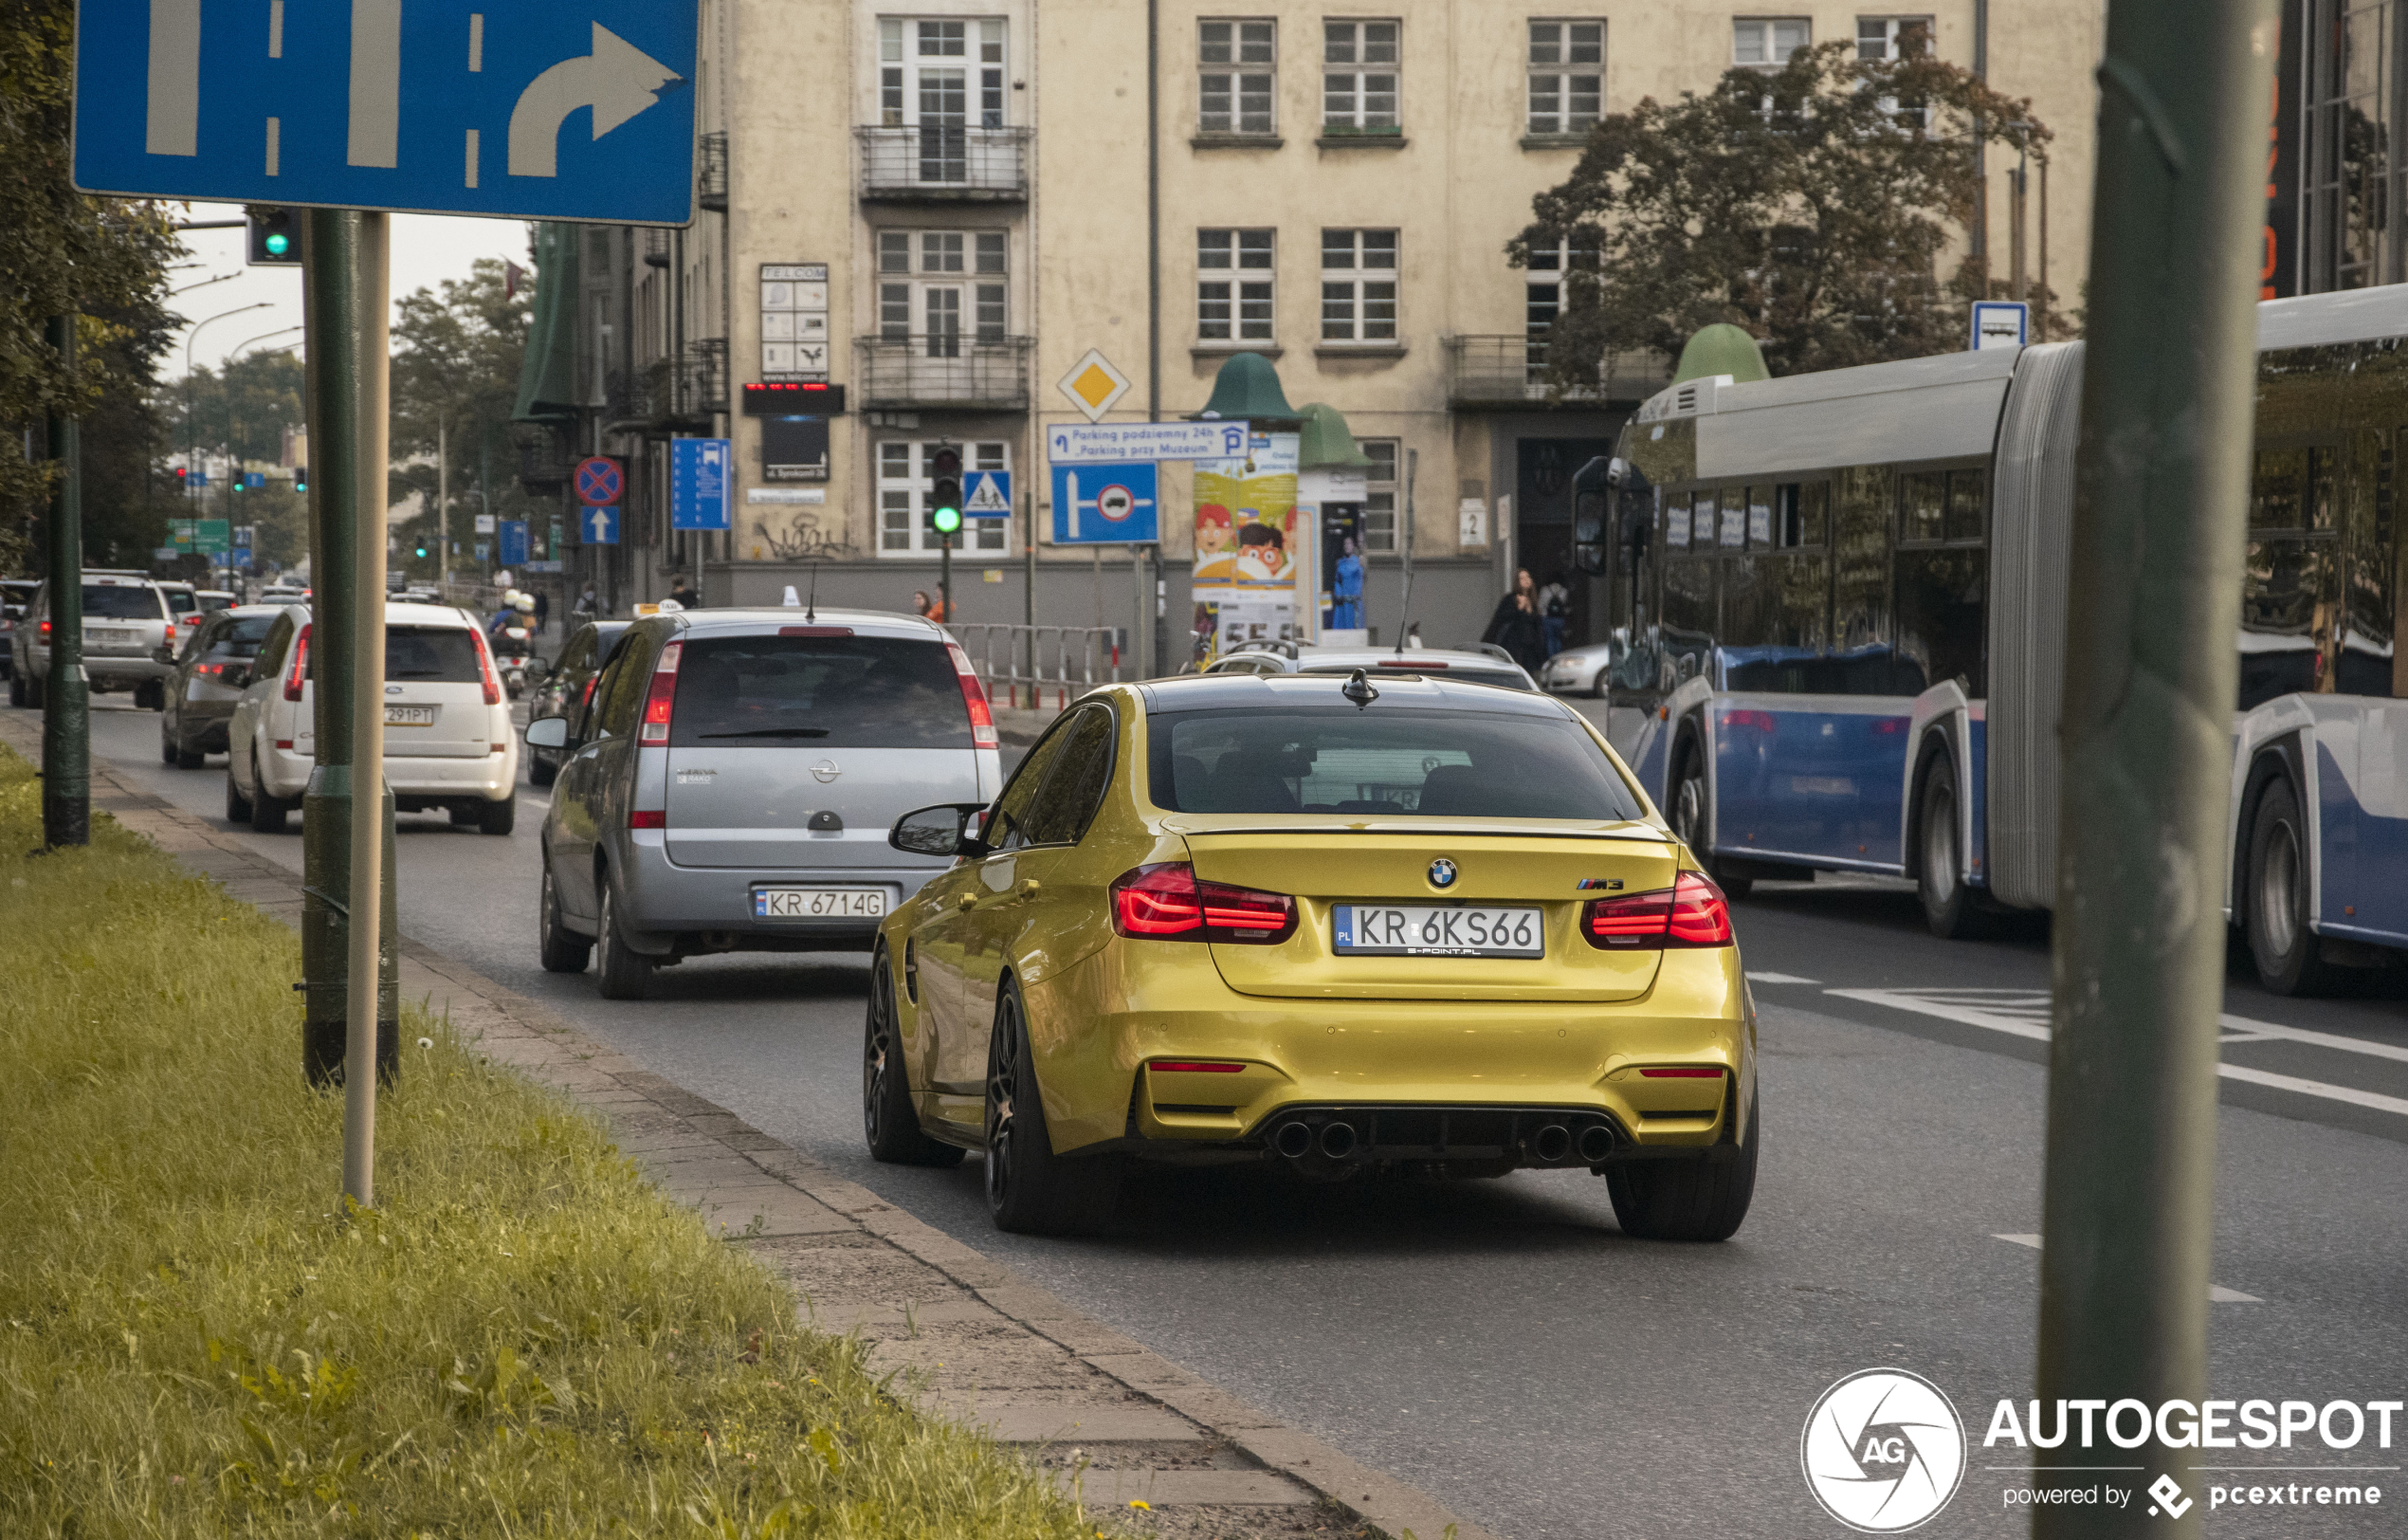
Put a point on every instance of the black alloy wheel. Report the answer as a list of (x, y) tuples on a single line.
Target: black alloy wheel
[(1705, 1198), (1032, 1191), (889, 1121), (2277, 895)]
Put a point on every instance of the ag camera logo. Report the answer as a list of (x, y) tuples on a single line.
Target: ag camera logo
[(1883, 1451)]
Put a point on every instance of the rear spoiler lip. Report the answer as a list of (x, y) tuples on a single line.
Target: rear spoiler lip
[(1178, 823)]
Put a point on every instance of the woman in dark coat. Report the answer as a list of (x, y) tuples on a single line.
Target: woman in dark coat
[(1516, 625)]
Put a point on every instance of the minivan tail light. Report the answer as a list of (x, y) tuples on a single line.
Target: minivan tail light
[(485, 675), (300, 669), (974, 695), (1692, 913), (647, 818), (661, 697), (1163, 901)]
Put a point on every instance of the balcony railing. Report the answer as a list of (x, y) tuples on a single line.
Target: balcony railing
[(962, 373), (1510, 371), (710, 173), (944, 162)]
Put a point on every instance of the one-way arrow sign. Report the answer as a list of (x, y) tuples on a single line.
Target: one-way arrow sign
[(436, 107)]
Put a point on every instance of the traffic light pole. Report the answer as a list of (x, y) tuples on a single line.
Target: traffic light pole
[(66, 742), (2151, 668), (349, 958)]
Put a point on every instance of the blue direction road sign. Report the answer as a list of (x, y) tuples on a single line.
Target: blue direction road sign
[(697, 482), (1104, 505), (987, 494), (599, 524), (513, 536), (538, 110)]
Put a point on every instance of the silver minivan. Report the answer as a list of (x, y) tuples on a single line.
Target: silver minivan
[(738, 774)]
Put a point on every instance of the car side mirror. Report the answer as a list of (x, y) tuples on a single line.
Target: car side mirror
[(548, 732), (537, 671), (941, 830)]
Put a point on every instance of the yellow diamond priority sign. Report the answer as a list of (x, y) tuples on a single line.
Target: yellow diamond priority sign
[(1093, 385)]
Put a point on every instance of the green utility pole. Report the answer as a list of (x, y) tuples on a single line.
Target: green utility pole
[(351, 972), (66, 741), (2151, 669)]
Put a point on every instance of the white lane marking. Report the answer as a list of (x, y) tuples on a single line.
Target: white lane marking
[(2024, 1013), (1780, 979), (2321, 1039), (2217, 1293)]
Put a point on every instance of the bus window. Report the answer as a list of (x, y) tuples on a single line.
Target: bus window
[(2286, 605), (1939, 608), (2292, 489), (1759, 517), (1923, 506), (1702, 529), (1676, 522), (1968, 503), (1734, 518), (1860, 554)]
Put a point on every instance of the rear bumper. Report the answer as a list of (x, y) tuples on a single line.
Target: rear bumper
[(106, 671), (489, 778), (670, 908), (1098, 1026)]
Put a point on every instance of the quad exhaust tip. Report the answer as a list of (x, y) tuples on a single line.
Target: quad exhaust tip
[(1596, 1142), (1337, 1140), (1552, 1143), (1293, 1140)]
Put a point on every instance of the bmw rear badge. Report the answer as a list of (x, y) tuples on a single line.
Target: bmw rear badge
[(1442, 872)]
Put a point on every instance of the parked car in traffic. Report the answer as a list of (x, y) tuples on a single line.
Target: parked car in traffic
[(1485, 666), (16, 597), (565, 688), (126, 621), (1583, 670), (210, 669), (731, 788), (449, 744), (214, 599), (1336, 924)]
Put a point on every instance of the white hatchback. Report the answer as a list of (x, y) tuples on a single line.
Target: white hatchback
[(449, 739)]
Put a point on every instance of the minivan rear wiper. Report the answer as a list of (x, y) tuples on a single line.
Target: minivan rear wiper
[(771, 732)]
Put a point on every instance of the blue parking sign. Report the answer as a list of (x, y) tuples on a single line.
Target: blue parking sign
[(513, 533), (1106, 504), (697, 482)]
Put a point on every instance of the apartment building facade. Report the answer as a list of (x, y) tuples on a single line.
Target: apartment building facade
[(941, 212)]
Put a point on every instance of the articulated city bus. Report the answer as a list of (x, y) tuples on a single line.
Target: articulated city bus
[(1842, 604)]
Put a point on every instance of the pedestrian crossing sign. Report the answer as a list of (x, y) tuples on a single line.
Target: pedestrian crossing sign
[(988, 495)]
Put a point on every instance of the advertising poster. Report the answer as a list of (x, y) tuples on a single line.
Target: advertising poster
[(1341, 555), (1247, 553)]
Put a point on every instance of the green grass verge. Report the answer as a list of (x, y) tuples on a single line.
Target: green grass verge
[(522, 1339)]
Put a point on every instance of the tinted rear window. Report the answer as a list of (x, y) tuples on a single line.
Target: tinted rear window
[(181, 602), (818, 692), (430, 654), (131, 602), (1405, 763), (240, 638), (1451, 675)]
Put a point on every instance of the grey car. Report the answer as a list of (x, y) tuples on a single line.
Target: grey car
[(211, 668), (732, 786), (126, 621)]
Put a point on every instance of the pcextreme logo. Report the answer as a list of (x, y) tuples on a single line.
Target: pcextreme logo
[(1883, 1451)]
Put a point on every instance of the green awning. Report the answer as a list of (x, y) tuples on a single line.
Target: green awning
[(548, 378)]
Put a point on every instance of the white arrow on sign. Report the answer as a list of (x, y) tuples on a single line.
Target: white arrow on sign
[(601, 524), (617, 80)]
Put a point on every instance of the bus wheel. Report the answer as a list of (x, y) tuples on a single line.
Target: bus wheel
[(1688, 821), (1949, 905), (2279, 940)]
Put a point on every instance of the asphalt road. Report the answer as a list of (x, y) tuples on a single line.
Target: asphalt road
[(1500, 1343)]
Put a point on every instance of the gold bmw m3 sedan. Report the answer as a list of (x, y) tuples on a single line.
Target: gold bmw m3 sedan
[(1339, 925)]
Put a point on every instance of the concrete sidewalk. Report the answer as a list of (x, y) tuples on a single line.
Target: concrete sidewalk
[(974, 1339)]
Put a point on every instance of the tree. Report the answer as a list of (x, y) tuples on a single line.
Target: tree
[(1810, 205), (456, 361), (103, 260)]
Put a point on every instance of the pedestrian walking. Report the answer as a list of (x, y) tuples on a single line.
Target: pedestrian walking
[(589, 604), (682, 590), (928, 609), (1515, 624), (1555, 614), (542, 610)]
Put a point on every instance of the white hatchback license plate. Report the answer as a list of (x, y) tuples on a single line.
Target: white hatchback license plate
[(820, 902), (1438, 931), (409, 716)]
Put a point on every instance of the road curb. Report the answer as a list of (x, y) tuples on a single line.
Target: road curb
[(800, 1216)]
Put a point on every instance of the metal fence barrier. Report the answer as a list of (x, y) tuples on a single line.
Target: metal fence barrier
[(1039, 666)]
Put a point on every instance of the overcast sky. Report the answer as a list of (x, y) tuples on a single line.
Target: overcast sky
[(426, 249)]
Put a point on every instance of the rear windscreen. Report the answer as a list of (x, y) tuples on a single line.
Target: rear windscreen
[(429, 654), (180, 601), (1414, 763), (1451, 675), (127, 603), (241, 639), (818, 692)]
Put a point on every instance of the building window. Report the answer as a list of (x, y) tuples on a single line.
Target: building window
[(1379, 493), (1567, 75), (1769, 40), (1359, 286), (1358, 77), (1231, 306), (927, 77), (1234, 87), (905, 473), (1892, 37), (941, 288)]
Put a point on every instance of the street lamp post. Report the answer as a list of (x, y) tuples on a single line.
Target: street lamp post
[(234, 454), (192, 447)]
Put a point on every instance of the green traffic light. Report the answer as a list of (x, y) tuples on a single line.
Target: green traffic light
[(947, 520), (278, 245)]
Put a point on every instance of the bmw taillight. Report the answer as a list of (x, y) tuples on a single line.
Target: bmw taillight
[(485, 675), (974, 695), (1692, 913), (298, 671), (662, 697), (1164, 902)]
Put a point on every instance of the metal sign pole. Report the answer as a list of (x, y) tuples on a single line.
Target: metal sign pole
[(370, 822), (66, 742)]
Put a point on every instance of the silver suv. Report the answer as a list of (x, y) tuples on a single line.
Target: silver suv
[(128, 631), (736, 776)]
